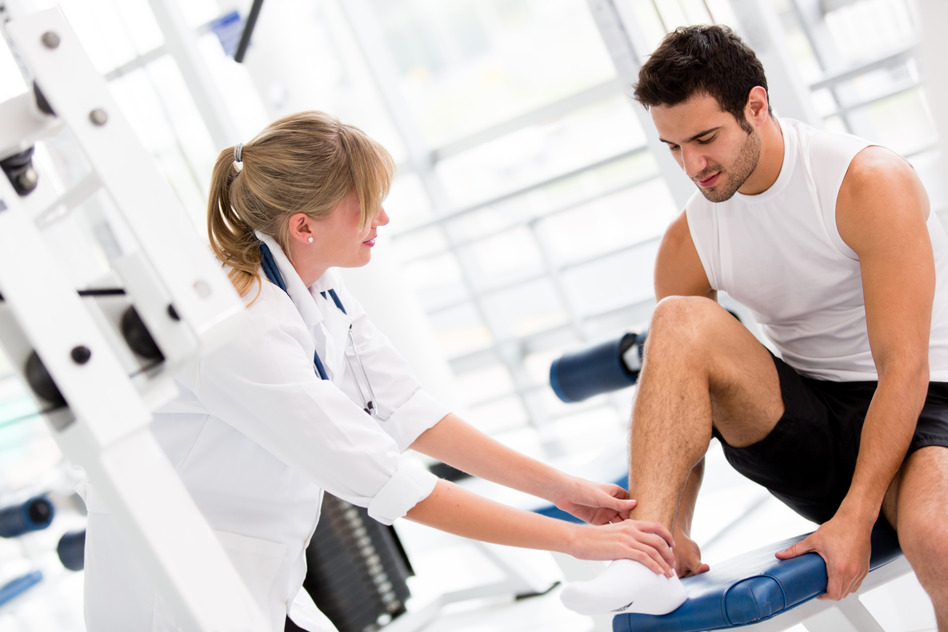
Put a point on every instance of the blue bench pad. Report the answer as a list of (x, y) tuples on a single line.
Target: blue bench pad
[(751, 587)]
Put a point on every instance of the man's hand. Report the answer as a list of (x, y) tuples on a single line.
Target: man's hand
[(688, 556), (845, 550)]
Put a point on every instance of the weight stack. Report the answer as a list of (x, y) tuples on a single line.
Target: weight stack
[(357, 568)]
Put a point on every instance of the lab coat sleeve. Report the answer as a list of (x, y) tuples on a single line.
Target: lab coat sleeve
[(405, 409), (264, 385)]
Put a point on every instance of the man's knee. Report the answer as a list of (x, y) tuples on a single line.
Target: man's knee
[(684, 310), (698, 331), (924, 541), (684, 322), (922, 517), (925, 535)]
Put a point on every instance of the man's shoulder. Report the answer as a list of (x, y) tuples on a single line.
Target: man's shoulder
[(678, 228), (825, 155), (825, 143)]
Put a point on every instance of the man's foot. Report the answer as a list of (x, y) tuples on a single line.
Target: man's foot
[(625, 586)]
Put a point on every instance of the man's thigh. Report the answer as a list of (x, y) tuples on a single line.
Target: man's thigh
[(925, 471), (920, 515), (923, 483), (808, 458), (692, 339)]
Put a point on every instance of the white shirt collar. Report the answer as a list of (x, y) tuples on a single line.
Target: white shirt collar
[(299, 293)]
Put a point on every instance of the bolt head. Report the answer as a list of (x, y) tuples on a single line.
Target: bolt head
[(81, 354), (99, 116), (50, 39)]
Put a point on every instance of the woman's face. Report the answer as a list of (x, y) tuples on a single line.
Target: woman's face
[(338, 240)]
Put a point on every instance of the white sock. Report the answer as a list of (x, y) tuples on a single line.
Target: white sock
[(625, 586)]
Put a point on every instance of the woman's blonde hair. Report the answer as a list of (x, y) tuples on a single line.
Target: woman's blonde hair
[(302, 163)]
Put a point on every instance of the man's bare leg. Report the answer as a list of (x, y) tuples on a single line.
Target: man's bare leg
[(701, 367), (916, 507), (687, 554)]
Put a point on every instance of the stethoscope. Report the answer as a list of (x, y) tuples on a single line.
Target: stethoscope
[(268, 263)]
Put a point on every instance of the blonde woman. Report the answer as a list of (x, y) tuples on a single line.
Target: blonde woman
[(311, 397)]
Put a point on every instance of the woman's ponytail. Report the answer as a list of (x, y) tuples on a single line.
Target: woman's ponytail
[(232, 239)]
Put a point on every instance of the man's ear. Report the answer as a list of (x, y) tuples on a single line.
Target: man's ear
[(758, 105)]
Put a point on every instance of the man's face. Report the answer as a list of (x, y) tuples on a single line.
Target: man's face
[(710, 146)]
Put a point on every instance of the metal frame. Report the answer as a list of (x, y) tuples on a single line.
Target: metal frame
[(181, 294)]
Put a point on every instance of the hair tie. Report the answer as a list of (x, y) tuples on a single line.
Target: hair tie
[(238, 150)]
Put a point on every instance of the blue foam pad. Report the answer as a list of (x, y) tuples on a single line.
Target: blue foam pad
[(752, 587), (18, 586)]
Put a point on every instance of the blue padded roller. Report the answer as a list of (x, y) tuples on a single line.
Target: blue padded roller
[(752, 587), (579, 375), (71, 550), (33, 515)]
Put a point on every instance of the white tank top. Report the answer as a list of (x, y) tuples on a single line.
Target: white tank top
[(779, 253)]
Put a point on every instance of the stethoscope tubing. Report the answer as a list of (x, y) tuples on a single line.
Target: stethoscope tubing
[(268, 264)]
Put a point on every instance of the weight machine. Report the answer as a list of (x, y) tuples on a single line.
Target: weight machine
[(98, 357)]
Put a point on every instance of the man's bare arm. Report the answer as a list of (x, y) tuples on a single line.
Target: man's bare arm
[(678, 270), (881, 214)]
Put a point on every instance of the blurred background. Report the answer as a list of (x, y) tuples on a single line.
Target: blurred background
[(530, 196)]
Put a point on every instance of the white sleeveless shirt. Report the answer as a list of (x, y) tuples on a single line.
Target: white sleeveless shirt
[(779, 253)]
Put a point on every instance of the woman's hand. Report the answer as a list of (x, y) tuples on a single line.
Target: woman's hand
[(647, 542), (595, 503)]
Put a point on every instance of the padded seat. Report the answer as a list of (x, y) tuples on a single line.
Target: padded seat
[(752, 587)]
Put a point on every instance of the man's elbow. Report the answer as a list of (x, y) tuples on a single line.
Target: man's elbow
[(910, 373)]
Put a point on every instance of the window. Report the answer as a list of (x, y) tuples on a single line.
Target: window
[(528, 204)]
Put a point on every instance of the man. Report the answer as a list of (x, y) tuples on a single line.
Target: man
[(832, 245)]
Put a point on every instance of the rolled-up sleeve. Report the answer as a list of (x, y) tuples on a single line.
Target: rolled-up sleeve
[(410, 484), (264, 385), (412, 418)]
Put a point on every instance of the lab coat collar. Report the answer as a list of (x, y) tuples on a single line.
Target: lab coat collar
[(329, 326), (299, 293)]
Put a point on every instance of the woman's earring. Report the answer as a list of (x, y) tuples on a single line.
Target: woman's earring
[(310, 240)]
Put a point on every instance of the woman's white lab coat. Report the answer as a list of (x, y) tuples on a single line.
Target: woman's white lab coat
[(257, 436)]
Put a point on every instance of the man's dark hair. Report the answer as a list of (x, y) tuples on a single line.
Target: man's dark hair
[(701, 60)]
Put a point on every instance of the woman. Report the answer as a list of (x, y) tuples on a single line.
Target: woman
[(312, 397)]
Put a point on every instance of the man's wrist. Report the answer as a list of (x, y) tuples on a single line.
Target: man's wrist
[(857, 510)]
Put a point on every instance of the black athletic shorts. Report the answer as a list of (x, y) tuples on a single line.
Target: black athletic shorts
[(808, 459)]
